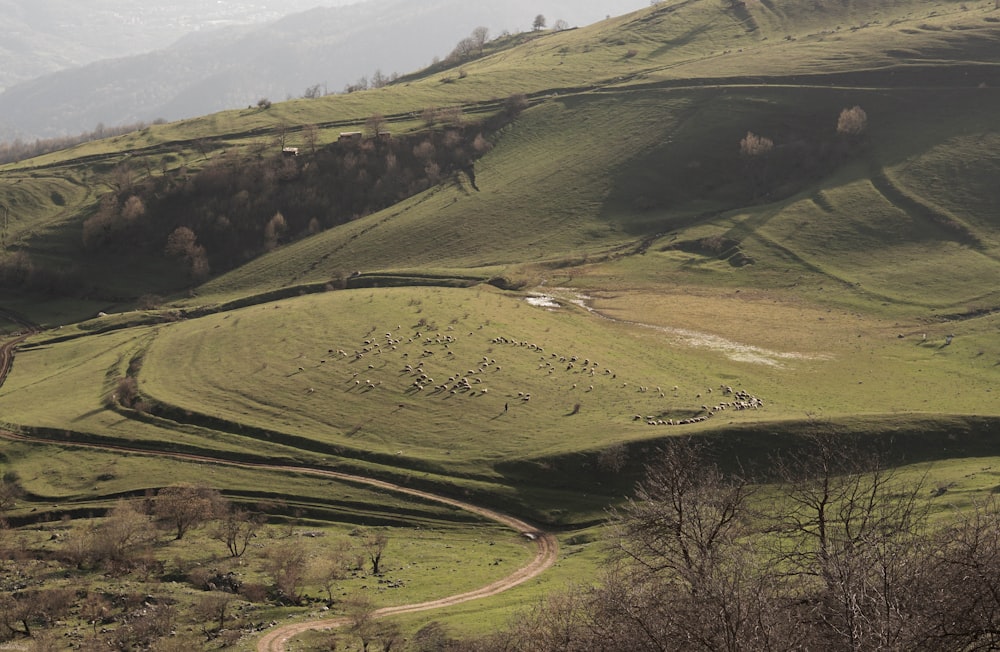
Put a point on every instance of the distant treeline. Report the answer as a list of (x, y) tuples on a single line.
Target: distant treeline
[(18, 150)]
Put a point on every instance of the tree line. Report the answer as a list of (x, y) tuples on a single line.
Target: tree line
[(19, 150)]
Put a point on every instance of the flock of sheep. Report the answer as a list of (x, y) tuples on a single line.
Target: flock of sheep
[(741, 400), (436, 364)]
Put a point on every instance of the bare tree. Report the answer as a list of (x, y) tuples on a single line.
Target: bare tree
[(374, 543), (379, 79), (754, 150), (683, 512), (360, 85), (429, 116), (463, 49), (274, 230), (95, 609), (388, 635), (236, 528), (184, 506), (182, 243), (214, 608), (852, 121), (539, 23), (287, 566), (753, 145), (329, 570), (375, 124), (19, 612), (849, 523), (133, 209), (360, 613), (450, 115), (684, 551), (837, 553), (959, 588), (515, 104), (118, 538), (310, 134), (280, 134), (480, 36), (10, 490), (122, 178)]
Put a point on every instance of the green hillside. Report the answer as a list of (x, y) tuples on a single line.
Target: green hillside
[(570, 248)]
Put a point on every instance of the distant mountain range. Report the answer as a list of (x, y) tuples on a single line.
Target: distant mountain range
[(38, 37), (184, 62)]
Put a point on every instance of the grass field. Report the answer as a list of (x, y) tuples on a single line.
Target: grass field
[(844, 283)]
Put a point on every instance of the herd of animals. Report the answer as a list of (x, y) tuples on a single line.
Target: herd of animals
[(425, 361)]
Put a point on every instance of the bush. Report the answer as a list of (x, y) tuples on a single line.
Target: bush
[(852, 121)]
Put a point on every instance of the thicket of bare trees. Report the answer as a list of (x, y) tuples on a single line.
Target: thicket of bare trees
[(132, 539), (237, 208), (836, 553)]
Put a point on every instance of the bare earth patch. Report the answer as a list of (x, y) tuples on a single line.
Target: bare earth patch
[(733, 350)]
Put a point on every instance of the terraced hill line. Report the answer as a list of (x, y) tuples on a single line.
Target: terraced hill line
[(274, 641), (8, 347), (915, 207), (7, 356)]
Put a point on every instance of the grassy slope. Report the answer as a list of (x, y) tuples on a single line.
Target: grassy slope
[(563, 181), (672, 43), (634, 154), (620, 153)]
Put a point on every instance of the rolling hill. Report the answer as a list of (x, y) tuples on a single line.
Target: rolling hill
[(185, 61), (673, 222)]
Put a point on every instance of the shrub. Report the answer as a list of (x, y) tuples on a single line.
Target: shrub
[(852, 121), (754, 145)]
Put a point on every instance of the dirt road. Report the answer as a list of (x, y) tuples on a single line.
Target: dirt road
[(548, 549), (274, 641)]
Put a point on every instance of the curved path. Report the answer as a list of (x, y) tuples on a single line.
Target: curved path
[(274, 641), (7, 349)]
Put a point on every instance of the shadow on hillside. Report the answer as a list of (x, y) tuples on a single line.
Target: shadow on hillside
[(586, 480), (688, 168)]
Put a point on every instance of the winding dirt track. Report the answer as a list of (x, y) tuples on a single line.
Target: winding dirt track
[(274, 641)]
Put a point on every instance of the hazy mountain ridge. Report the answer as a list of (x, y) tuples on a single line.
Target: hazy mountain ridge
[(40, 37), (204, 72)]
